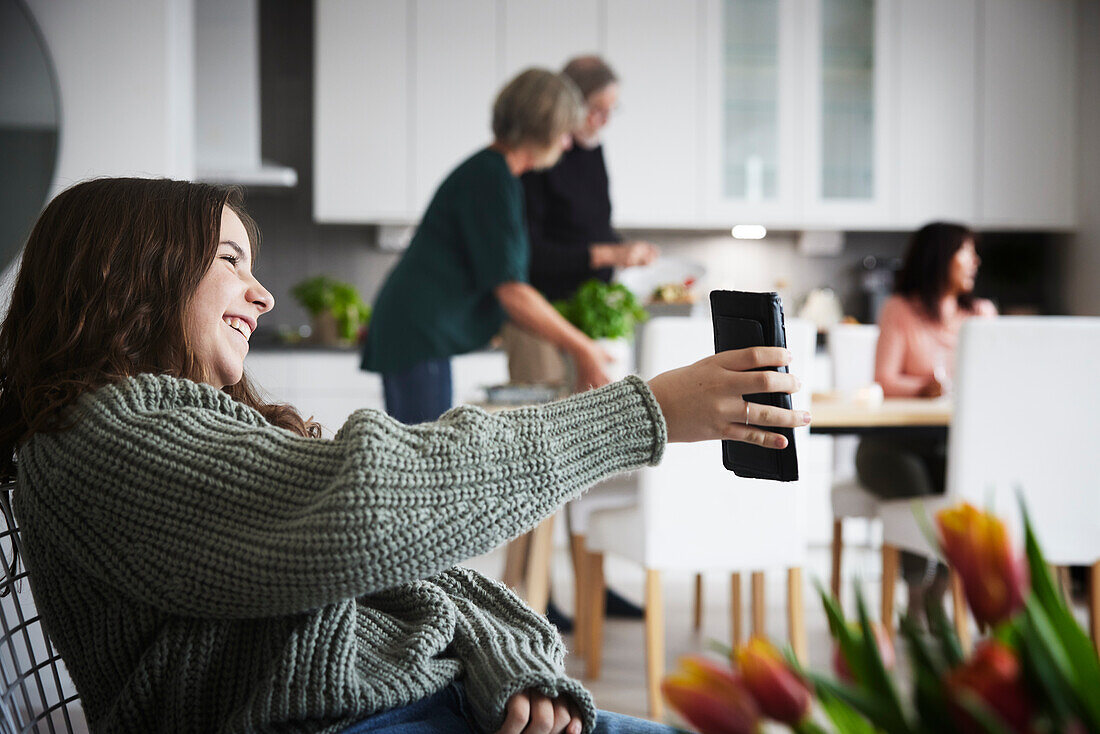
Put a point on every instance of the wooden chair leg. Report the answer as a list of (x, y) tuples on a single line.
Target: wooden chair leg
[(891, 558), (758, 611), (654, 642), (838, 548), (736, 631), (1094, 605), (515, 562), (697, 622), (796, 615), (579, 555), (962, 616), (1066, 585), (538, 565), (595, 596)]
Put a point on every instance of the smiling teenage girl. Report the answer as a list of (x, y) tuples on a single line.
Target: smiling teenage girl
[(204, 564)]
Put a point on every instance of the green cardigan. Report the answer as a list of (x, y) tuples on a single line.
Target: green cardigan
[(201, 570)]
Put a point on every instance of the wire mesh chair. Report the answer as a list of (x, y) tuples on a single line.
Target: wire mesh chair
[(36, 694)]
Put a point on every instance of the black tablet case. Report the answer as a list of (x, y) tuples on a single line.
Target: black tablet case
[(754, 320)]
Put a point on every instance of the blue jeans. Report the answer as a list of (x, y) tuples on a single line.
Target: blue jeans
[(419, 394), (446, 712)]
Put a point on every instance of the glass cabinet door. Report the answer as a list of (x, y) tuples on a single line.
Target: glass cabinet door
[(753, 70), (849, 62), (847, 99), (750, 99)]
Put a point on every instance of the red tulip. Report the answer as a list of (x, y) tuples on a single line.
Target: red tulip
[(994, 677), (712, 698), (781, 694), (885, 651), (976, 545)]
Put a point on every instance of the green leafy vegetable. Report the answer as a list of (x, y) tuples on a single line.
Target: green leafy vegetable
[(321, 294), (603, 311)]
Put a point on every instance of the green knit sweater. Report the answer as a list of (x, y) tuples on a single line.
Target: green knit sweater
[(201, 570)]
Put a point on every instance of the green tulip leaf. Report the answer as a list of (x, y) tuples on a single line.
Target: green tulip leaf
[(1059, 622)]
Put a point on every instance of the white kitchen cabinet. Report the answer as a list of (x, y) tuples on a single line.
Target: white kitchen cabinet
[(752, 111), (1027, 107), (539, 33), (653, 146), (937, 85), (328, 384), (362, 120), (798, 114), (457, 76), (849, 125)]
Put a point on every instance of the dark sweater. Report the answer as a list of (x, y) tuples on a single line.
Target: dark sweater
[(568, 209)]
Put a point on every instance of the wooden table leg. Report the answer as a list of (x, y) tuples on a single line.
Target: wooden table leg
[(736, 629), (538, 565), (796, 615), (758, 611), (697, 621), (891, 558), (838, 548), (962, 616), (515, 562), (654, 643)]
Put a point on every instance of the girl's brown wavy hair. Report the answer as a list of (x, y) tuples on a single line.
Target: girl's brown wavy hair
[(106, 277)]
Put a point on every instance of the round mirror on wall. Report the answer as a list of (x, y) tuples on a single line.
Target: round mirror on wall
[(28, 126)]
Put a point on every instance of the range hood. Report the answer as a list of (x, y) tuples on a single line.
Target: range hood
[(227, 97)]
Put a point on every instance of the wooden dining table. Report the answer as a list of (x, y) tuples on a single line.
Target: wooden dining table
[(836, 416)]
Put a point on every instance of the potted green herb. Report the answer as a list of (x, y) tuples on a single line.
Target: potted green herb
[(608, 313), (337, 310)]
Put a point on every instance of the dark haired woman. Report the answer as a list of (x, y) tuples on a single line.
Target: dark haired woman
[(918, 330), (204, 564)]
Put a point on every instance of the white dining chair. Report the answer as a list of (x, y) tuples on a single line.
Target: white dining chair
[(1027, 424), (694, 516), (852, 356)]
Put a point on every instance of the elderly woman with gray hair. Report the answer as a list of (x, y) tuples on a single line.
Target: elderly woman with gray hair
[(466, 270)]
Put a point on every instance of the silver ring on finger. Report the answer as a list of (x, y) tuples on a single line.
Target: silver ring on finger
[(746, 412)]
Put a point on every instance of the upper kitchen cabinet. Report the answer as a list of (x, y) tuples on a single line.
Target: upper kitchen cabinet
[(1027, 108), (848, 126), (937, 115), (456, 76), (539, 33), (653, 145), (362, 118), (752, 111)]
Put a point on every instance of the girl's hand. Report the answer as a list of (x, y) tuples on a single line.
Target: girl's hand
[(703, 401), (530, 712)]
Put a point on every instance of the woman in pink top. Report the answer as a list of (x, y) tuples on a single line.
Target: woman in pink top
[(918, 331), (919, 325)]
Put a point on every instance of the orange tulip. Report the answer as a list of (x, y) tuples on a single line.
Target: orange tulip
[(781, 694), (994, 677), (711, 698), (977, 546), (885, 651)]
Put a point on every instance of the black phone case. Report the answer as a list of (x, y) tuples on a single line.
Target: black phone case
[(754, 320)]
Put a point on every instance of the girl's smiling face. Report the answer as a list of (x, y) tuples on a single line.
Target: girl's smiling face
[(222, 314)]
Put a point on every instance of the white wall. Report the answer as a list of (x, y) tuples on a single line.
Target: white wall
[(125, 70), (1083, 259)]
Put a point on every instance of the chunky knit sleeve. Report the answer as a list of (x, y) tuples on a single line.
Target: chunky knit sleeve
[(175, 494), (506, 648)]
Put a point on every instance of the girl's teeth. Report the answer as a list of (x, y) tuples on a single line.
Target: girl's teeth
[(241, 326)]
